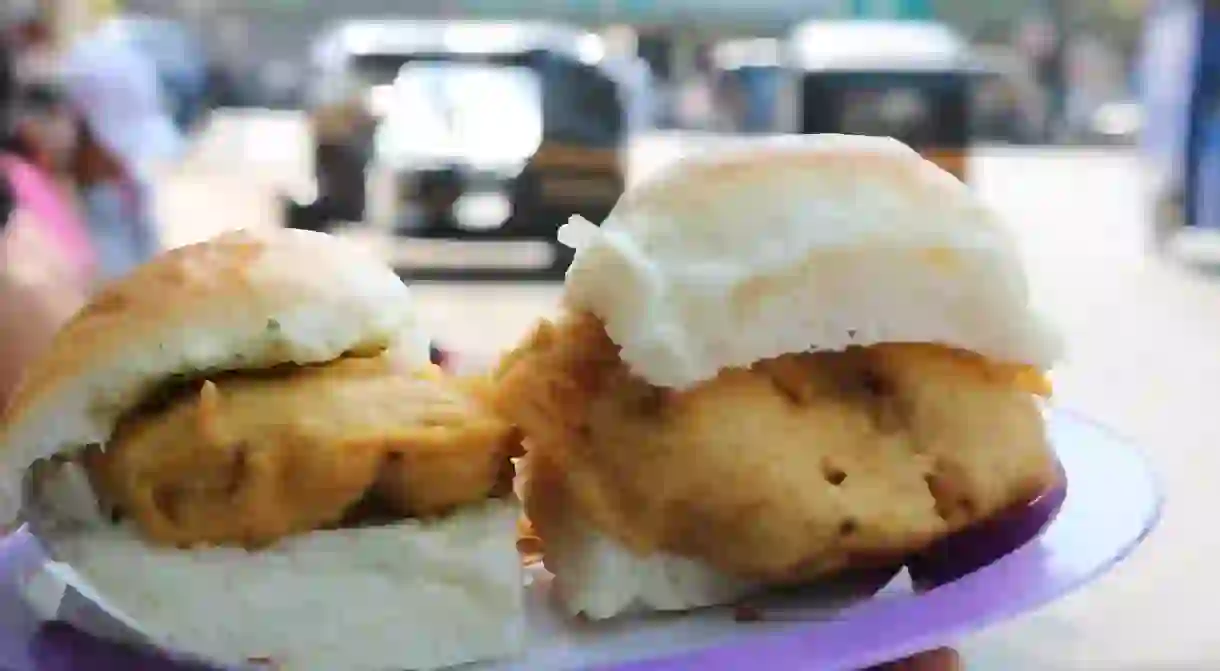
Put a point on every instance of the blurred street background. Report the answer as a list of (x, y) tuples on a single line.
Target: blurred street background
[(1086, 123)]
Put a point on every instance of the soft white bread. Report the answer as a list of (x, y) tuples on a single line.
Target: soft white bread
[(597, 577), (417, 595), (241, 300), (793, 244)]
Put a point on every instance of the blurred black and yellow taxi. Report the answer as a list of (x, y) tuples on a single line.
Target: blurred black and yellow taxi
[(440, 128), (912, 80)]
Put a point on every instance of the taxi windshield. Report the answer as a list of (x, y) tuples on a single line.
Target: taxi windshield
[(465, 98), (456, 108)]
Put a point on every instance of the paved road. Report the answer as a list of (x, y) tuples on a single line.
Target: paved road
[(1145, 358)]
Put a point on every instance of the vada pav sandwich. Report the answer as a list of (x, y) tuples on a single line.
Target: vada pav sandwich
[(243, 451), (773, 365)]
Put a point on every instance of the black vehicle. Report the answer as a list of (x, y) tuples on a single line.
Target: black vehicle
[(911, 80), (466, 130)]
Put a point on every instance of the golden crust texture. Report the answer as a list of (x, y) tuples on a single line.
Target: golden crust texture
[(798, 467), (258, 457)]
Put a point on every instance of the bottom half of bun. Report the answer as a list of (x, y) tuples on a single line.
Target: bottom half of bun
[(416, 594), (598, 578), (595, 576)]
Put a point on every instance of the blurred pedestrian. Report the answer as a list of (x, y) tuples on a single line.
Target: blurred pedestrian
[(45, 128), (126, 134), (40, 141), (44, 261), (37, 138), (730, 101), (634, 77)]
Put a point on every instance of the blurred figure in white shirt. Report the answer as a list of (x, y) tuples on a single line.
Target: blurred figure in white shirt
[(125, 135)]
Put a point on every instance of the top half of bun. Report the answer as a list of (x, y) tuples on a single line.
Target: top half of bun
[(792, 244), (242, 300)]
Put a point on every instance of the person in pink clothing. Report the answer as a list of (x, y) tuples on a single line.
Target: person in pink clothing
[(42, 199), (45, 257), (37, 139)]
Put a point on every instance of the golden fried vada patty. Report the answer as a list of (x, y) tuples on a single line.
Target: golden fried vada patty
[(247, 458), (795, 468)]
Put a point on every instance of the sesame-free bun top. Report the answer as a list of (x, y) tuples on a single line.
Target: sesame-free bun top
[(242, 300), (799, 243)]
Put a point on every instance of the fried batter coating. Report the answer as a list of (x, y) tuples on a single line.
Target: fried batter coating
[(798, 467), (248, 458)]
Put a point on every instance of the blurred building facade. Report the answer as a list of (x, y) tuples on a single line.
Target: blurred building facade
[(263, 43), (281, 26), (273, 33)]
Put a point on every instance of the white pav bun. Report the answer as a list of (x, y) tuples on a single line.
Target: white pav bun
[(415, 594), (596, 577), (801, 243), (599, 579)]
